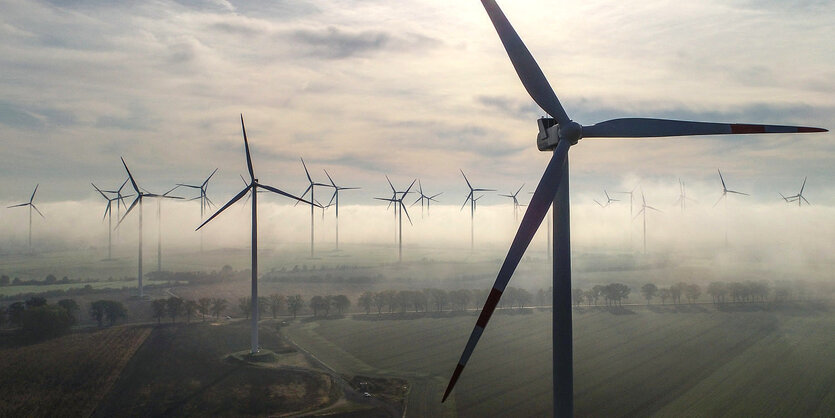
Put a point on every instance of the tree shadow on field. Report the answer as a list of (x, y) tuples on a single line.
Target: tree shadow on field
[(680, 308), (614, 310)]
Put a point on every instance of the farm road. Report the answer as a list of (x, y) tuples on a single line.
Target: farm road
[(424, 397)]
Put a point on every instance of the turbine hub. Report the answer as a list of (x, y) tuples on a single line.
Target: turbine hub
[(572, 131)]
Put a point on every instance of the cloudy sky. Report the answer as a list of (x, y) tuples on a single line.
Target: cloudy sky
[(411, 89)]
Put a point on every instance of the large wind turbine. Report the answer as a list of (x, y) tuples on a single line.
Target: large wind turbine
[(310, 189), (471, 198), (108, 212), (426, 198), (252, 189), (205, 202), (31, 206), (557, 134), (516, 204), (400, 210), (141, 194), (335, 201), (643, 211)]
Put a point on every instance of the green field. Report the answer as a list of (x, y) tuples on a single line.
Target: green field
[(695, 362)]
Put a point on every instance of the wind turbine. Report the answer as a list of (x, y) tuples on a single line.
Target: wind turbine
[(557, 134), (141, 194), (119, 202), (252, 189), (310, 189), (31, 206), (682, 197), (643, 210), (516, 204), (335, 196), (609, 200), (426, 198), (159, 225), (725, 192), (470, 198), (108, 212), (798, 197), (630, 193), (205, 202), (400, 210)]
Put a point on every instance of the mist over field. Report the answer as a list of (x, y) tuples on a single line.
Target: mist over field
[(771, 237)]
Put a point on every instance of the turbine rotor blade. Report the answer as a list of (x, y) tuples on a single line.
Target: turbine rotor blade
[(735, 192), (208, 178), (534, 214), (246, 148), (285, 194), (130, 177), (36, 210), (229, 203), (720, 199), (650, 128), (402, 206), (803, 186), (132, 205), (526, 67)]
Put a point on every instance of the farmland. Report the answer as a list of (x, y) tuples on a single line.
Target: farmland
[(70, 374), (693, 360)]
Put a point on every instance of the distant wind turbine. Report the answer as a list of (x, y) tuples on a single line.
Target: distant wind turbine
[(335, 200), (310, 189), (725, 192), (682, 197), (119, 202), (108, 213), (643, 211), (470, 198), (798, 197), (516, 204), (141, 194), (609, 200), (252, 189), (400, 209), (205, 202), (557, 134), (159, 226), (425, 198), (31, 206), (631, 216)]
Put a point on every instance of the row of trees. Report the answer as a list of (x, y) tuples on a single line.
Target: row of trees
[(720, 292), (612, 294), (38, 319), (438, 300)]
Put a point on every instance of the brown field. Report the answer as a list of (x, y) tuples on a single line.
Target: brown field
[(70, 374)]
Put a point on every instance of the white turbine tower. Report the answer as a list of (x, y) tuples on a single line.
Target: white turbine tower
[(252, 189), (557, 134), (31, 206), (643, 211)]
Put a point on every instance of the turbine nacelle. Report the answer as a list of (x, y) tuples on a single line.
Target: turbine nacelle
[(551, 132)]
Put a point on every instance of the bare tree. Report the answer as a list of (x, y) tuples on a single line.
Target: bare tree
[(295, 304), (174, 307), (275, 303), (649, 290), (218, 306), (203, 306), (366, 300)]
